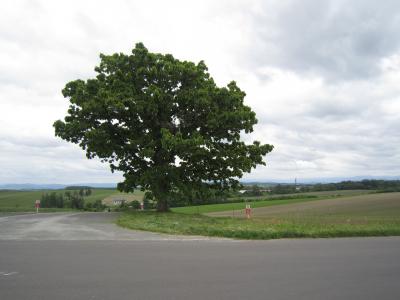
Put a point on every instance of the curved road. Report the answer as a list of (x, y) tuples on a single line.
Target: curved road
[(85, 256)]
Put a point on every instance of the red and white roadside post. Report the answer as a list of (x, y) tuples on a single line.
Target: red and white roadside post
[(248, 211), (37, 205), (141, 206)]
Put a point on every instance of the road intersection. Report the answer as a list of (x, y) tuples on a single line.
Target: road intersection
[(86, 256)]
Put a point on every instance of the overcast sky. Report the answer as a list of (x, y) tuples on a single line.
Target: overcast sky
[(323, 77)]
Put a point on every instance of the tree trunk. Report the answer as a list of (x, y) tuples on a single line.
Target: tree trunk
[(162, 205)]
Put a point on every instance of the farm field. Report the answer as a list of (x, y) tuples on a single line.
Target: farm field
[(272, 200), (237, 207), (13, 200), (323, 194), (372, 205), (365, 215), (16, 200)]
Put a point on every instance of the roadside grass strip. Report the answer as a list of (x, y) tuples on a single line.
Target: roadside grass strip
[(260, 229)]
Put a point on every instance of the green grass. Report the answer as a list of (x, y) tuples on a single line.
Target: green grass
[(19, 201), (319, 227), (202, 209), (365, 215)]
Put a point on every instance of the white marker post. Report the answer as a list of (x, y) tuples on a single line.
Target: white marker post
[(37, 205)]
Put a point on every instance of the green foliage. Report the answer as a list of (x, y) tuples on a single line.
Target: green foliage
[(52, 200), (135, 204), (284, 189), (95, 206), (164, 123), (380, 185), (98, 205), (361, 185), (88, 192), (199, 197), (124, 206), (58, 200), (253, 190), (77, 187), (88, 206)]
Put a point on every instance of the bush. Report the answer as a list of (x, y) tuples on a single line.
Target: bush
[(135, 204), (99, 206), (88, 206)]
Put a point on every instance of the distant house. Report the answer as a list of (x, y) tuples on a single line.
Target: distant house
[(118, 201), (121, 198), (260, 190)]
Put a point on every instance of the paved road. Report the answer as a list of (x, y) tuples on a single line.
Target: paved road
[(83, 263), (72, 226)]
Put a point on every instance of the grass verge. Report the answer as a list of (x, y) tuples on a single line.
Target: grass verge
[(262, 229)]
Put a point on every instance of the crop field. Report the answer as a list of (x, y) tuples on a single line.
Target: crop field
[(363, 215), (25, 200), (264, 201), (19, 200), (321, 194), (236, 208), (383, 205)]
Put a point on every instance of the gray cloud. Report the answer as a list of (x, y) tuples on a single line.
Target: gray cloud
[(339, 40), (313, 72)]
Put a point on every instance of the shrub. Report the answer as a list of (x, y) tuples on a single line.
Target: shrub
[(135, 204)]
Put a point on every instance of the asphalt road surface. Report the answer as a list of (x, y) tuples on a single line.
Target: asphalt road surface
[(85, 256)]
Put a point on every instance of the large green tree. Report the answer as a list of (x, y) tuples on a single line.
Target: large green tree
[(163, 122)]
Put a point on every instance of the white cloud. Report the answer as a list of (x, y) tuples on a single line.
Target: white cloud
[(325, 92)]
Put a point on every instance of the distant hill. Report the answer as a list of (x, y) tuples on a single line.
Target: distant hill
[(272, 182), (55, 186), (264, 183), (30, 186)]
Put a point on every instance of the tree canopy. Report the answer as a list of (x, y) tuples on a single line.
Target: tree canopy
[(164, 123)]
